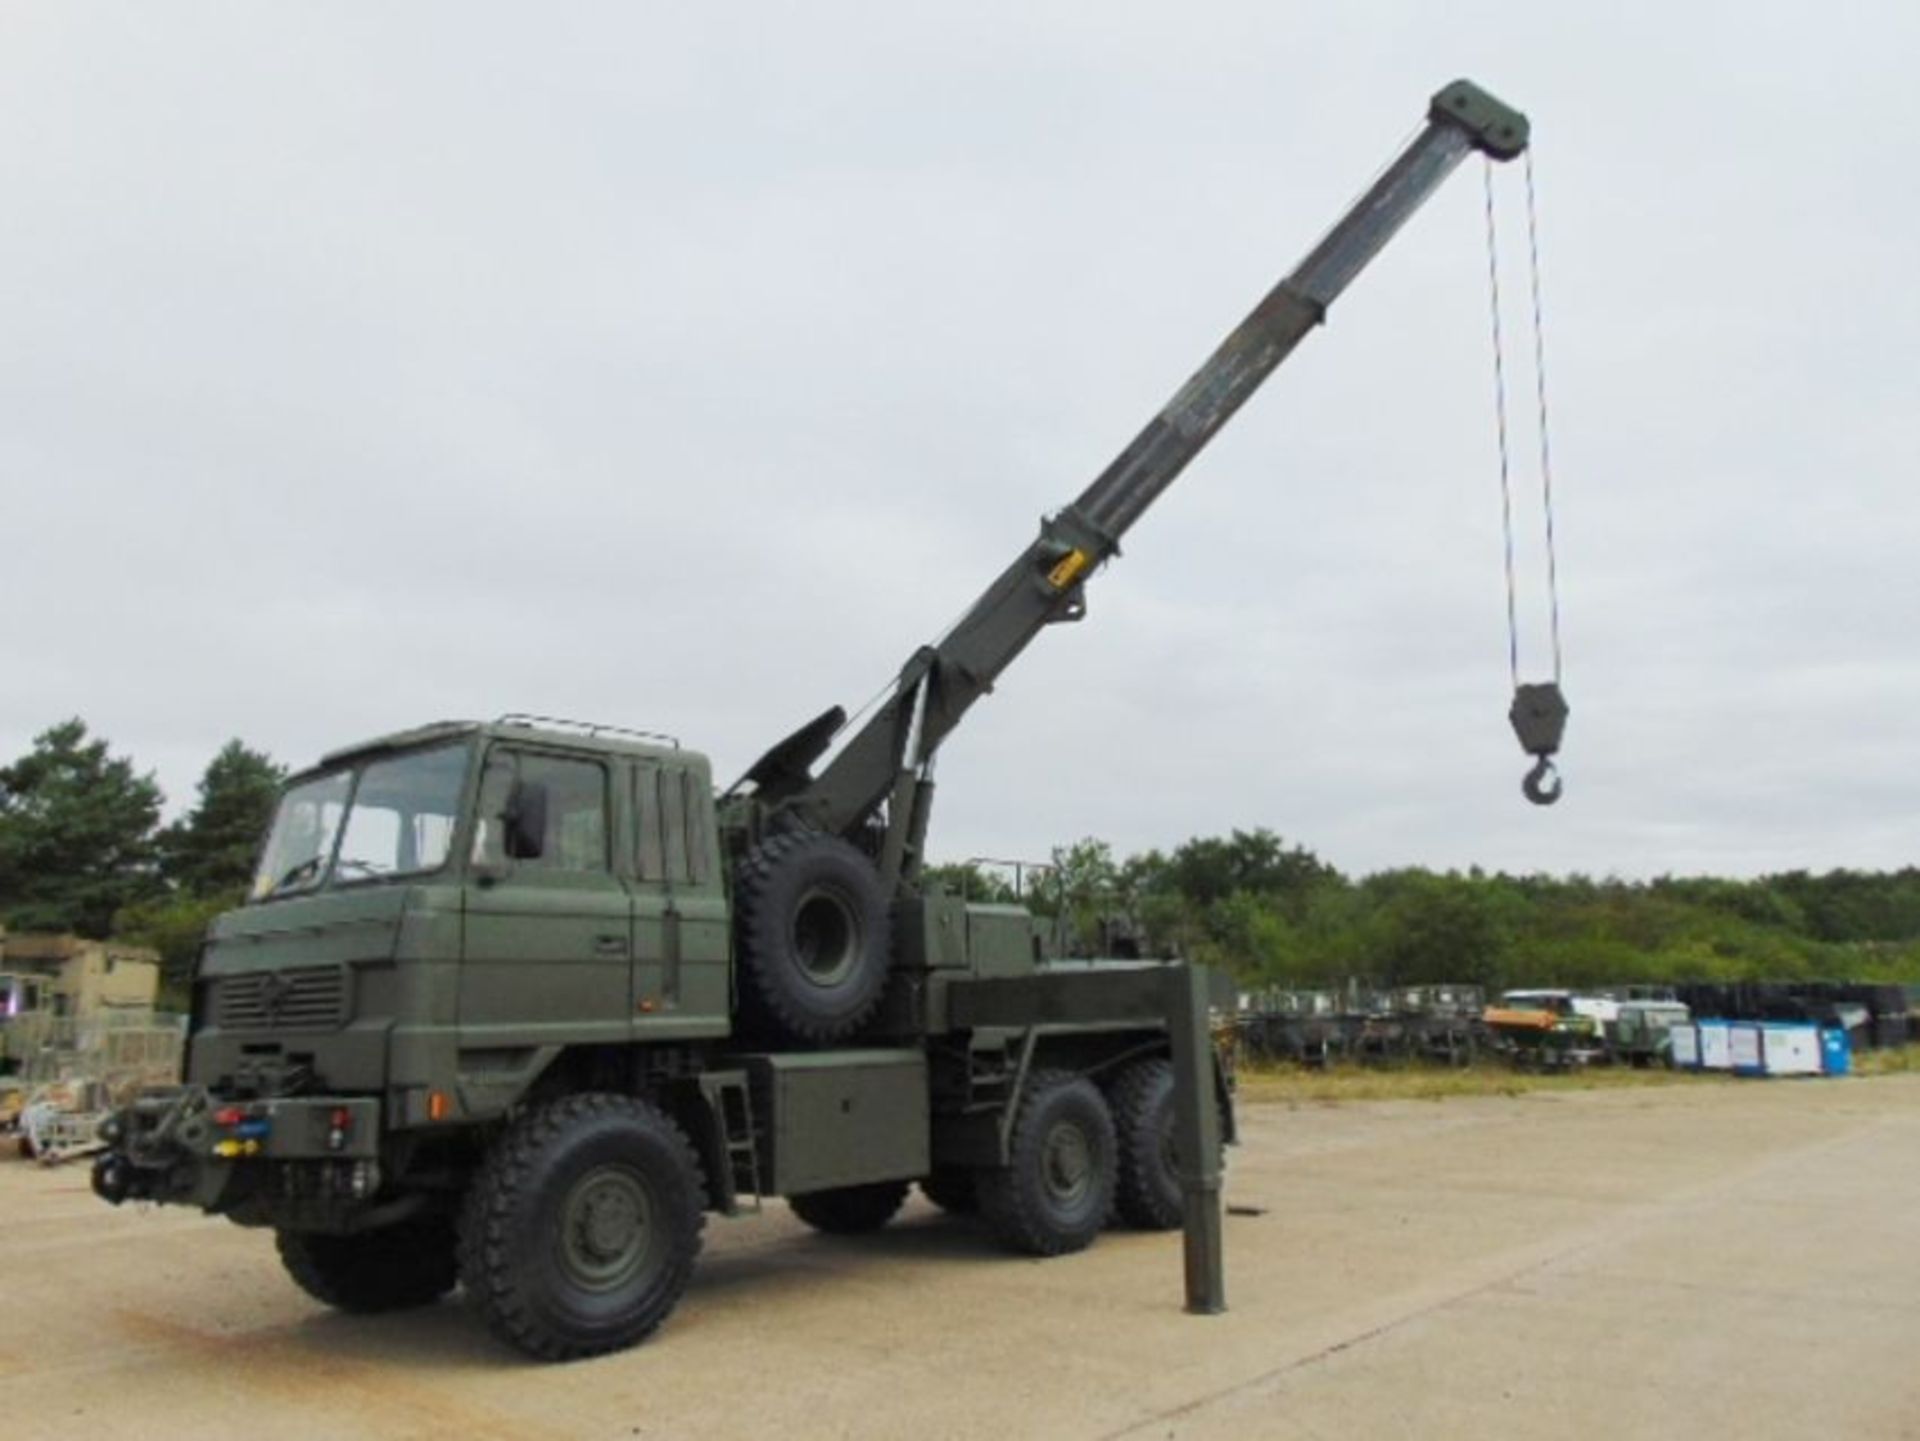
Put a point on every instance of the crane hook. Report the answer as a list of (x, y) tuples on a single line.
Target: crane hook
[(1539, 717), (1542, 783)]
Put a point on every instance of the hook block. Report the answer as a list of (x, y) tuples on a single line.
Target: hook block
[(1539, 716)]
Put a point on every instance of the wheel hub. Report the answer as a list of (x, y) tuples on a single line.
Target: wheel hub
[(606, 1228), (1067, 1162), (826, 937)]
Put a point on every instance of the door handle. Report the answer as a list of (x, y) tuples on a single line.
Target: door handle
[(609, 945)]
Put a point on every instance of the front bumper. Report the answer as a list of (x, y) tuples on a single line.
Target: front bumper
[(183, 1145)]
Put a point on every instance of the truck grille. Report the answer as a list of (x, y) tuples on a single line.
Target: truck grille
[(309, 999)]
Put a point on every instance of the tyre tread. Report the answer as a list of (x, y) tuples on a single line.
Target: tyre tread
[(1010, 1204), (487, 1261), (762, 999), (373, 1271), (953, 1189), (1134, 1096), (850, 1210)]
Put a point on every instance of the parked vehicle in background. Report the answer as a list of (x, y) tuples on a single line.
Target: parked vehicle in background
[(1643, 1032), (1543, 1030), (1374, 1026), (1602, 1010)]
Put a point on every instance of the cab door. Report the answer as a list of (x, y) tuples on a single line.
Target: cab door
[(548, 920), (654, 986), (681, 927)]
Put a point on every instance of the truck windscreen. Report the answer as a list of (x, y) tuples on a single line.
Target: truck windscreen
[(389, 817)]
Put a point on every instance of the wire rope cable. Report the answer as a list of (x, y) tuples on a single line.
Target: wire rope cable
[(1540, 390), (1502, 427), (1539, 710), (1500, 423)]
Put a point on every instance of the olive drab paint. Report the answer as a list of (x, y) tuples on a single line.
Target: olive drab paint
[(518, 1001)]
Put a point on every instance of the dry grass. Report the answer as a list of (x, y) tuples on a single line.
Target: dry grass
[(1896, 1061), (1294, 1084)]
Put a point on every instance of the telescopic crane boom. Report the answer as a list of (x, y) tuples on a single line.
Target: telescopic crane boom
[(887, 763)]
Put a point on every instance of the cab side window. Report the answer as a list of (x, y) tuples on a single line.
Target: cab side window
[(651, 849), (673, 816), (698, 806), (673, 821), (543, 812)]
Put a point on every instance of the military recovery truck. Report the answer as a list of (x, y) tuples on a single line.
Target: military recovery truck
[(515, 1005)]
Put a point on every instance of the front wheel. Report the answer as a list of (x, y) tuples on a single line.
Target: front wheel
[(1054, 1194), (391, 1269), (581, 1229)]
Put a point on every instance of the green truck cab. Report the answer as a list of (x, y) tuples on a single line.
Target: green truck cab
[(409, 939)]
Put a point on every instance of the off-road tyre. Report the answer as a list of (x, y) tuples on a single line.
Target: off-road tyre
[(1054, 1194), (850, 1210), (952, 1189), (814, 938), (1147, 1190), (392, 1269), (580, 1230)]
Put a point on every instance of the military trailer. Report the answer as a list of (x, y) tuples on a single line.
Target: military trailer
[(1303, 1027), (516, 1005), (1435, 1024), (1444, 1022)]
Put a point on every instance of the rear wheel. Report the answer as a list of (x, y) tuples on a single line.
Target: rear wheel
[(1054, 1194), (581, 1229), (1147, 1186), (391, 1269), (850, 1210), (952, 1189)]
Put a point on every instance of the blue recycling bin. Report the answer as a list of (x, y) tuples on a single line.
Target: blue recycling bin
[(1836, 1051)]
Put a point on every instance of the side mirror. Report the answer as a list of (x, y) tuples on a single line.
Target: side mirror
[(526, 821)]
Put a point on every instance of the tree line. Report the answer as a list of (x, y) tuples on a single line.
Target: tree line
[(1275, 914), (82, 849)]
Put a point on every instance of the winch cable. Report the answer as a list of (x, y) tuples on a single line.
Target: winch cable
[(1540, 392), (1539, 710)]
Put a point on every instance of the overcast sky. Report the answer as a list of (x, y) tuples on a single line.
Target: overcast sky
[(686, 367)]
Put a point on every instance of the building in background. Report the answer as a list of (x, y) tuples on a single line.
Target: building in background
[(51, 986)]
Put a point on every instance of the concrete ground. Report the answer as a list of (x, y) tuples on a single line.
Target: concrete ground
[(1734, 1258)]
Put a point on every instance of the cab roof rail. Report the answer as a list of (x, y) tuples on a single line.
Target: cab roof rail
[(588, 728)]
